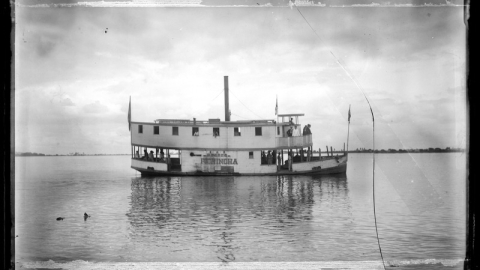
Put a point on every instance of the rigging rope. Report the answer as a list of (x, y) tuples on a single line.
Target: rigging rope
[(238, 100), (373, 127), (239, 116), (217, 95), (244, 104)]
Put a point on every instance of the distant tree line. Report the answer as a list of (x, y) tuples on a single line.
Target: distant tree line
[(425, 150), (29, 154)]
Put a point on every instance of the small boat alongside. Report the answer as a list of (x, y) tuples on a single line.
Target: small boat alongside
[(214, 147)]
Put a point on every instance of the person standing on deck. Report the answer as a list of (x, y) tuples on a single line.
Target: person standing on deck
[(296, 132), (150, 156), (290, 132), (306, 130), (290, 160), (145, 154), (269, 158)]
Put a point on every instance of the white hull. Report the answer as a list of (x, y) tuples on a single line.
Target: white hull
[(232, 166)]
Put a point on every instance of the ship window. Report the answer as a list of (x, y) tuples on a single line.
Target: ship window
[(156, 130), (140, 128), (237, 132), (258, 131), (216, 132), (194, 131), (175, 131), (250, 155)]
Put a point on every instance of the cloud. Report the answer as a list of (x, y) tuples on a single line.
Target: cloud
[(173, 66), (95, 108), (67, 102)]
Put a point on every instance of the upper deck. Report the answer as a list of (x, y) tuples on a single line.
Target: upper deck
[(214, 134)]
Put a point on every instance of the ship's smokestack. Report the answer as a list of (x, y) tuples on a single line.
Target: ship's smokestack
[(227, 110)]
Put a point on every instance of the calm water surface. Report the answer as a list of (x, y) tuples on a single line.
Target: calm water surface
[(420, 206)]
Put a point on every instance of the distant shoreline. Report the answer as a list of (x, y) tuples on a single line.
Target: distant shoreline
[(404, 151), (82, 155), (381, 151)]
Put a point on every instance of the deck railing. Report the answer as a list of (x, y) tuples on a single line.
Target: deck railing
[(296, 141), (217, 121)]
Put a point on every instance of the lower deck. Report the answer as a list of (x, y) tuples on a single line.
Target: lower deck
[(276, 162)]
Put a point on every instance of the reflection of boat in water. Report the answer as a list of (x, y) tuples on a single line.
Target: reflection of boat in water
[(222, 217), (214, 147), (288, 197)]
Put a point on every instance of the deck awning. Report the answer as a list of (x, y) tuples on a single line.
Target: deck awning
[(291, 114)]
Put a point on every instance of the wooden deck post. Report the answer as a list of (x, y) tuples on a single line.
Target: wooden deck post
[(282, 158), (168, 159)]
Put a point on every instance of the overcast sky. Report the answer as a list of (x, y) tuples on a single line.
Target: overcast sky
[(75, 69)]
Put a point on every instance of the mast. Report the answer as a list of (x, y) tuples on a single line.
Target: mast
[(227, 110)]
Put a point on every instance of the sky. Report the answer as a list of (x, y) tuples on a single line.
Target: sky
[(76, 68)]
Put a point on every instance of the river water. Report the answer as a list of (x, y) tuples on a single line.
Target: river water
[(420, 210)]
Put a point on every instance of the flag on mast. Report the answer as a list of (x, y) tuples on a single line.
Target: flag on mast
[(129, 112), (349, 115), (276, 107)]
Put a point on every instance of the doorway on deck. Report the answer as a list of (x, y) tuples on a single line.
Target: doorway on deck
[(174, 160)]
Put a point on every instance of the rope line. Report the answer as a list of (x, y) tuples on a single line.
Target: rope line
[(217, 95), (244, 105), (238, 100), (373, 127), (239, 116)]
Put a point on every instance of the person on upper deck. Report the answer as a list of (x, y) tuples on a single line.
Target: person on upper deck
[(306, 130), (162, 155), (296, 132), (290, 132), (145, 154), (291, 121), (150, 156), (269, 158)]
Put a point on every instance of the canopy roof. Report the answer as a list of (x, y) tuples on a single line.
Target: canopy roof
[(292, 114)]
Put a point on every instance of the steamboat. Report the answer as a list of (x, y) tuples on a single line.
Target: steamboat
[(214, 147)]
